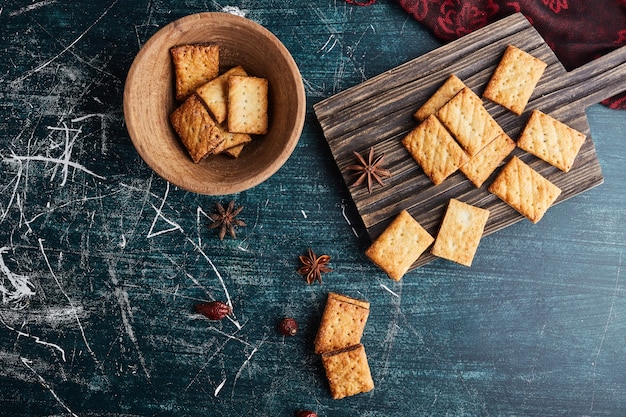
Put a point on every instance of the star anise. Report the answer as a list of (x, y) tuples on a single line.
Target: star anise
[(314, 266), (226, 219), (369, 170)]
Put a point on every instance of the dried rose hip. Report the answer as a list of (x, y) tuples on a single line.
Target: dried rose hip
[(288, 327), (214, 310), (305, 413)]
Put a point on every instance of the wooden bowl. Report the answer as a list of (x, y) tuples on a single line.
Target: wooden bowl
[(149, 100)]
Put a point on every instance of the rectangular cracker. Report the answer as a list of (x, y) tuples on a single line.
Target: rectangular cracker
[(514, 79), (468, 120), (482, 165), (551, 140), (460, 232), (342, 324), (194, 65), (247, 105), (400, 244), (348, 372), (196, 128), (434, 149), (214, 94), (448, 89), (350, 300), (524, 189)]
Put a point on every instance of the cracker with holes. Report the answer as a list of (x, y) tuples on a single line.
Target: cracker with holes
[(524, 189), (247, 104), (399, 246), (342, 325), (481, 166), (444, 93), (460, 232), (514, 79), (468, 120), (196, 128), (434, 149), (214, 94), (551, 140), (194, 65), (348, 372)]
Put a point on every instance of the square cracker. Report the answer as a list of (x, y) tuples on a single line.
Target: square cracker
[(399, 245), (348, 372), (524, 189), (196, 128), (214, 94), (247, 104), (434, 149), (448, 89), (194, 65), (468, 120), (482, 165), (551, 140), (342, 325), (514, 79), (460, 232)]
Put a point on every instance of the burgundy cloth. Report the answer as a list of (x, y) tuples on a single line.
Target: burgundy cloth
[(578, 31)]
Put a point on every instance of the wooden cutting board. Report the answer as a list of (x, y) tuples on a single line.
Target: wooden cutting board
[(379, 112)]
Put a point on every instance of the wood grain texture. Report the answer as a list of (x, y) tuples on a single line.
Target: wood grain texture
[(378, 113)]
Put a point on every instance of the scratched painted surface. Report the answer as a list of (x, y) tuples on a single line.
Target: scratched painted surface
[(101, 260)]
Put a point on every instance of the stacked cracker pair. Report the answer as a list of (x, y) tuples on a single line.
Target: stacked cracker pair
[(458, 133), (218, 112), (338, 341)]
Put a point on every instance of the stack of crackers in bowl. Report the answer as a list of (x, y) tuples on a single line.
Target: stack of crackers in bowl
[(338, 341), (456, 132), (211, 45), (219, 112)]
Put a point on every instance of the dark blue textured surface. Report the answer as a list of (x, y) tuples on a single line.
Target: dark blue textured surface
[(117, 257)]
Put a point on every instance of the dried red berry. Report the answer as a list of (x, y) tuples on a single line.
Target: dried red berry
[(288, 327), (305, 413), (214, 310)]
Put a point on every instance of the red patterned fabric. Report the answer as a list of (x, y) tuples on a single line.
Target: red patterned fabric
[(577, 30)]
